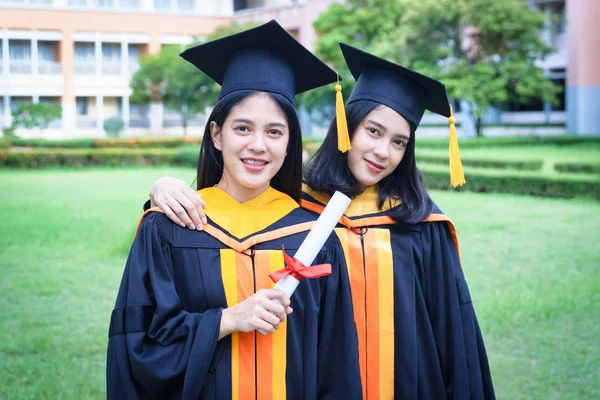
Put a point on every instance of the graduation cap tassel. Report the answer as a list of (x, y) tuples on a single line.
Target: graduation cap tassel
[(342, 125), (457, 174)]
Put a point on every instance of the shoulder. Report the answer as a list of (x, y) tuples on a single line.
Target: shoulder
[(156, 223)]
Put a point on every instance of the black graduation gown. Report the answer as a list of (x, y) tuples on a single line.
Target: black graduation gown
[(163, 340), (418, 333)]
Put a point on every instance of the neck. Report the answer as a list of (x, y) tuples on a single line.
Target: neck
[(239, 192)]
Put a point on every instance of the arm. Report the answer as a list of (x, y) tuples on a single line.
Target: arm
[(157, 349), (154, 344), (460, 343), (181, 204)]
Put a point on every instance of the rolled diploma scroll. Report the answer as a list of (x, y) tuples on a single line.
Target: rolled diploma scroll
[(316, 238)]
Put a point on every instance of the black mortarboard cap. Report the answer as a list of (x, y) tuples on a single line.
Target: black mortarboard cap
[(406, 91), (266, 58)]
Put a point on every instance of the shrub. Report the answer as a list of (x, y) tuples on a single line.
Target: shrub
[(527, 185), (48, 158), (114, 126), (578, 168), (535, 165), (479, 142)]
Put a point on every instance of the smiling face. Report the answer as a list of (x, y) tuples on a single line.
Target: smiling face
[(253, 141), (378, 145)]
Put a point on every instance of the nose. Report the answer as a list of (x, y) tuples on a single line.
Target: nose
[(381, 151), (257, 143)]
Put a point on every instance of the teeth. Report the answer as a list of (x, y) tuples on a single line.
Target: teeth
[(254, 162)]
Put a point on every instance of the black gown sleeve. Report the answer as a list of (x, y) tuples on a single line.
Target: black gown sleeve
[(339, 371), (459, 341), (156, 349)]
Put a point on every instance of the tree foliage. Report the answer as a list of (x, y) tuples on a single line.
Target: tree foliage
[(165, 77), (35, 115), (485, 51)]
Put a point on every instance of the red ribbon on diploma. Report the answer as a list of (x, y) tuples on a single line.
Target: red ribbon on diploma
[(295, 269)]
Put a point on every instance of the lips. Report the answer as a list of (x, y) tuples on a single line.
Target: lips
[(254, 164), (374, 167)]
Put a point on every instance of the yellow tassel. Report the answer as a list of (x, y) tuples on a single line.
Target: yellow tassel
[(457, 174), (342, 125)]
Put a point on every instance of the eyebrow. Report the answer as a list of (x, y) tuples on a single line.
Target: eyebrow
[(249, 122), (377, 124)]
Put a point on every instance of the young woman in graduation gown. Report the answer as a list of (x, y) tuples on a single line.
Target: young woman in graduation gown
[(417, 330), (190, 302)]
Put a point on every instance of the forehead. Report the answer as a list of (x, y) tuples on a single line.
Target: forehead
[(258, 106), (390, 119)]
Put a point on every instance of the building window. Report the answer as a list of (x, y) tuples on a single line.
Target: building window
[(103, 3), (84, 51), (81, 3), (82, 105), (162, 4), (111, 58), (20, 56), (129, 3), (85, 62), (48, 2), (183, 5)]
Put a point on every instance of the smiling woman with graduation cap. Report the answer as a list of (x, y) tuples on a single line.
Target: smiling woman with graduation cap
[(190, 302), (418, 334)]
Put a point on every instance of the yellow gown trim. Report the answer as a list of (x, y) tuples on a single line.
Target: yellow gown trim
[(244, 219)]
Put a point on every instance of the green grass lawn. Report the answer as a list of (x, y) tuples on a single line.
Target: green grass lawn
[(532, 265)]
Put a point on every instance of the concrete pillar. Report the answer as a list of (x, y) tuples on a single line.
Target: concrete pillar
[(5, 54), (156, 118), (7, 117), (35, 62), (124, 58), (583, 71), (99, 112), (125, 112), (98, 53), (69, 114)]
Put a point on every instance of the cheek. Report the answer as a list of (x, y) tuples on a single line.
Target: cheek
[(278, 147), (396, 158)]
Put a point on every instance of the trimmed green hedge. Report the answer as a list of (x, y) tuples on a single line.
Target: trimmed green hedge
[(526, 185), (479, 142), (49, 158), (497, 164), (578, 168), (145, 142)]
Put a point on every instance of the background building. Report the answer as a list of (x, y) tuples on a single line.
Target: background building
[(82, 53)]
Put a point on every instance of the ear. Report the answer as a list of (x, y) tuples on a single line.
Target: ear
[(215, 135)]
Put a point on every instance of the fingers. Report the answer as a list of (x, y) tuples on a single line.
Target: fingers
[(196, 206), (171, 214), (279, 295), (181, 213), (270, 319), (190, 210)]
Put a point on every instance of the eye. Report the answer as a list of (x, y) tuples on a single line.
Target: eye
[(242, 128), (400, 143), (373, 131), (275, 132)]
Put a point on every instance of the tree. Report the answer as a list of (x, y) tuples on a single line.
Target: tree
[(358, 23), (165, 77), (34, 115), (485, 51)]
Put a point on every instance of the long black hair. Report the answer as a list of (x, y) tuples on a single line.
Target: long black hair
[(327, 171), (210, 162)]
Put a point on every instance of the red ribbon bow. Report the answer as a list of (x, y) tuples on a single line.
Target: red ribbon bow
[(295, 269)]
